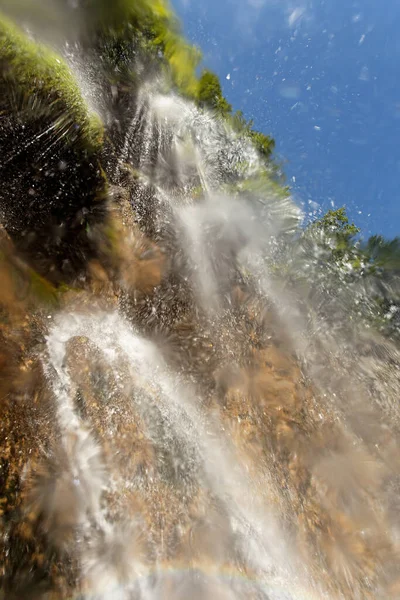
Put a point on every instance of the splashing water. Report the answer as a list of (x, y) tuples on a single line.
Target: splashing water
[(203, 447), (204, 503), (230, 433)]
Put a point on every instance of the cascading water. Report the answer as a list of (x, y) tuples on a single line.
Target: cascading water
[(204, 464), (212, 427), (204, 503)]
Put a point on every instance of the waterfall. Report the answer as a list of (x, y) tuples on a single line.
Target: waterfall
[(251, 527), (203, 410)]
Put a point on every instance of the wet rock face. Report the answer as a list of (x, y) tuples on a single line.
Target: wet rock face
[(29, 566), (51, 195), (125, 461), (155, 443), (52, 190)]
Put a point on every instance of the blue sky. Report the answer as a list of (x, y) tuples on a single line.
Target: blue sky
[(323, 77)]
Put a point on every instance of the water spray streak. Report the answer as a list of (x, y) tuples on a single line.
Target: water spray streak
[(220, 472), (203, 411)]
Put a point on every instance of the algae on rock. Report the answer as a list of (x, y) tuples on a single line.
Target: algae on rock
[(42, 78), (50, 147)]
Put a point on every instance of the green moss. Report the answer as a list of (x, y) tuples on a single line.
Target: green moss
[(157, 30), (183, 60), (27, 283), (107, 15), (42, 290), (42, 77), (197, 192)]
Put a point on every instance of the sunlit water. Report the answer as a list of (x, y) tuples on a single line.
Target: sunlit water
[(265, 465)]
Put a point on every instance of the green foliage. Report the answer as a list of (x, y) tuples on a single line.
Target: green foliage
[(36, 72), (155, 25), (381, 265), (382, 259), (263, 143), (240, 124), (362, 277), (115, 15), (182, 58), (210, 94), (263, 185), (326, 256), (50, 143), (383, 254), (339, 233), (42, 290), (377, 256), (336, 222)]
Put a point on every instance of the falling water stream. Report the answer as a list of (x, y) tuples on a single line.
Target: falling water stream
[(246, 552), (210, 515), (200, 449), (223, 436)]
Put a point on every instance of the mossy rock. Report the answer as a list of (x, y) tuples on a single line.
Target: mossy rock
[(153, 26), (52, 187), (41, 76)]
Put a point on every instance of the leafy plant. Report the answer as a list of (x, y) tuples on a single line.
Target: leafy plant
[(210, 94)]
